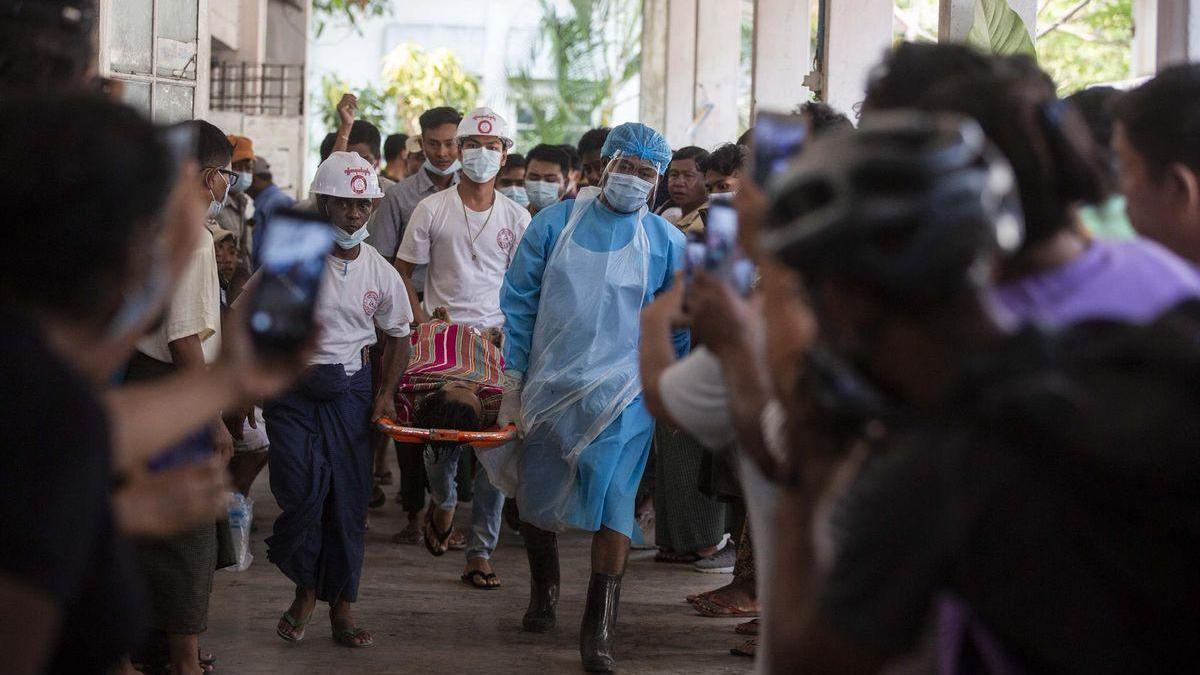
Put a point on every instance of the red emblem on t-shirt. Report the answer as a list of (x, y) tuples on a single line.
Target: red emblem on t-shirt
[(370, 302), (505, 239)]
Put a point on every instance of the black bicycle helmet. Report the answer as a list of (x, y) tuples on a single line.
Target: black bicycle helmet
[(908, 205)]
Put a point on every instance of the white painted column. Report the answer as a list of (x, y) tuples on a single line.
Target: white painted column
[(858, 33), (680, 85), (1178, 32), (652, 99), (718, 31), (1145, 39), (781, 55)]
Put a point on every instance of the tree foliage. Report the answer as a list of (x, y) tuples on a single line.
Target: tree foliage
[(353, 11), (594, 50), (416, 80), (373, 103)]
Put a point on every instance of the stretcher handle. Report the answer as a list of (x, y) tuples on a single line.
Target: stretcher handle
[(479, 439)]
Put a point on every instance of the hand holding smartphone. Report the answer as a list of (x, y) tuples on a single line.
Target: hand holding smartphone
[(283, 304)]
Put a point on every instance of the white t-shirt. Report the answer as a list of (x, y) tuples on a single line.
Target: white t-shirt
[(356, 296), (195, 308), (467, 259)]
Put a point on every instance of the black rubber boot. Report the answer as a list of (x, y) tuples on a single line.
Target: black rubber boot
[(599, 629), (542, 548)]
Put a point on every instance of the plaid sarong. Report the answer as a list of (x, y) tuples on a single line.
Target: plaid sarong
[(443, 351)]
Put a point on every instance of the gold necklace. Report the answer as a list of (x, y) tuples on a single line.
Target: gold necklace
[(471, 241)]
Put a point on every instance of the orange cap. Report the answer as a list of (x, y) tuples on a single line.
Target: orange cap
[(243, 148)]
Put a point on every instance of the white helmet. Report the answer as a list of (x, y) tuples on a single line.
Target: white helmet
[(484, 122), (348, 175)]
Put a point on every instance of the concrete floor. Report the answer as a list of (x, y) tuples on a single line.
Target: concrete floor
[(426, 621)]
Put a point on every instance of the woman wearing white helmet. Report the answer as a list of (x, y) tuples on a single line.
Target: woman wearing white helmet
[(321, 459)]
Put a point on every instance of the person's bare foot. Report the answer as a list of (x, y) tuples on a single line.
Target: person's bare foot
[(442, 521), (479, 573), (411, 534), (346, 632), (739, 593), (301, 610)]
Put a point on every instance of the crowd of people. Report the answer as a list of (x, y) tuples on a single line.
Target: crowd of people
[(948, 422)]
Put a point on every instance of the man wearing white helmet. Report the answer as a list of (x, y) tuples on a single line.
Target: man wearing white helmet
[(467, 237), (320, 433)]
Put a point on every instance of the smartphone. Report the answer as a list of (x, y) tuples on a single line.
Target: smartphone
[(693, 256), (720, 236), (292, 259), (777, 139), (195, 448)]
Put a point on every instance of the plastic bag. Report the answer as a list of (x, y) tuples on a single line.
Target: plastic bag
[(241, 515)]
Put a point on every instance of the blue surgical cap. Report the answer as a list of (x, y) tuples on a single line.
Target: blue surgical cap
[(638, 140)]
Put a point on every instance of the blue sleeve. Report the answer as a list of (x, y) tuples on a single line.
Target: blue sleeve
[(522, 289), (676, 243)]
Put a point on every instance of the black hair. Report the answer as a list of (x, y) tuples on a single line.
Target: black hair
[(824, 118), (746, 139), (436, 117), (515, 161), (393, 145), (1160, 118), (212, 145), (550, 153), (593, 140), (437, 411), (1045, 140), (913, 68), (1096, 105), (690, 152), (327, 145), (367, 134), (46, 46), (727, 159), (84, 216), (572, 156)]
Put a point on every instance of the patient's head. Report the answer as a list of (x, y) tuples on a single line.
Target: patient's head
[(455, 406)]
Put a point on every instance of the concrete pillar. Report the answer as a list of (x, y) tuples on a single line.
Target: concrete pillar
[(1178, 32), (858, 33), (781, 55), (718, 32), (1145, 40), (653, 100), (252, 31), (680, 85), (956, 16)]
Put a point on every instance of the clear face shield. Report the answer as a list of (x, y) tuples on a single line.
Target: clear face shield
[(629, 183)]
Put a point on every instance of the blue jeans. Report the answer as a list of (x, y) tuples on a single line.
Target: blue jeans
[(486, 505)]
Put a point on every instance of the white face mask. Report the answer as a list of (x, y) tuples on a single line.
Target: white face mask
[(542, 193), (515, 193), (480, 164), (215, 206), (453, 168), (348, 240)]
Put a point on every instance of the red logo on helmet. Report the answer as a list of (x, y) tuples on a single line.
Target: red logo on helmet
[(358, 179), (484, 126)]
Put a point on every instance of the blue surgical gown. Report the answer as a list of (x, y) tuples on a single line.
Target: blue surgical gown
[(603, 485)]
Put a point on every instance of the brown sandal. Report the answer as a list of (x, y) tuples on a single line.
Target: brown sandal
[(717, 609)]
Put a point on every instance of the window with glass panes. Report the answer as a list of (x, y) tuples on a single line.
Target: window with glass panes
[(152, 47)]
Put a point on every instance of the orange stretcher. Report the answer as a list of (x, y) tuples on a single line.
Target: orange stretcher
[(478, 439)]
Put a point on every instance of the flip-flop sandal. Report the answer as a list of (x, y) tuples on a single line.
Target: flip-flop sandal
[(297, 627), (748, 628), (674, 557), (442, 539), (470, 579), (457, 540), (408, 535), (207, 663), (348, 637), (747, 648), (715, 609)]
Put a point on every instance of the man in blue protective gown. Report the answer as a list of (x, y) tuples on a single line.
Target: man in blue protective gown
[(572, 301)]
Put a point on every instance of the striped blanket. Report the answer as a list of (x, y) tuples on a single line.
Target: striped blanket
[(443, 351)]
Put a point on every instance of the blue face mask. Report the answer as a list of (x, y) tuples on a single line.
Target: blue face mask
[(480, 164), (542, 193), (626, 193), (347, 240), (453, 168), (515, 193), (243, 181), (215, 205)]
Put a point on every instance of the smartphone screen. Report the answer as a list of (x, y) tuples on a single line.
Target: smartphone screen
[(720, 236), (293, 260), (777, 139)]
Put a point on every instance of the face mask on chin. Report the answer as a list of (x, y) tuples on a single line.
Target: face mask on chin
[(348, 240), (480, 165), (452, 169)]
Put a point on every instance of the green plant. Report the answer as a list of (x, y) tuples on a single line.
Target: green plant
[(416, 81), (374, 104), (1082, 42), (323, 11), (595, 50), (999, 30)]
